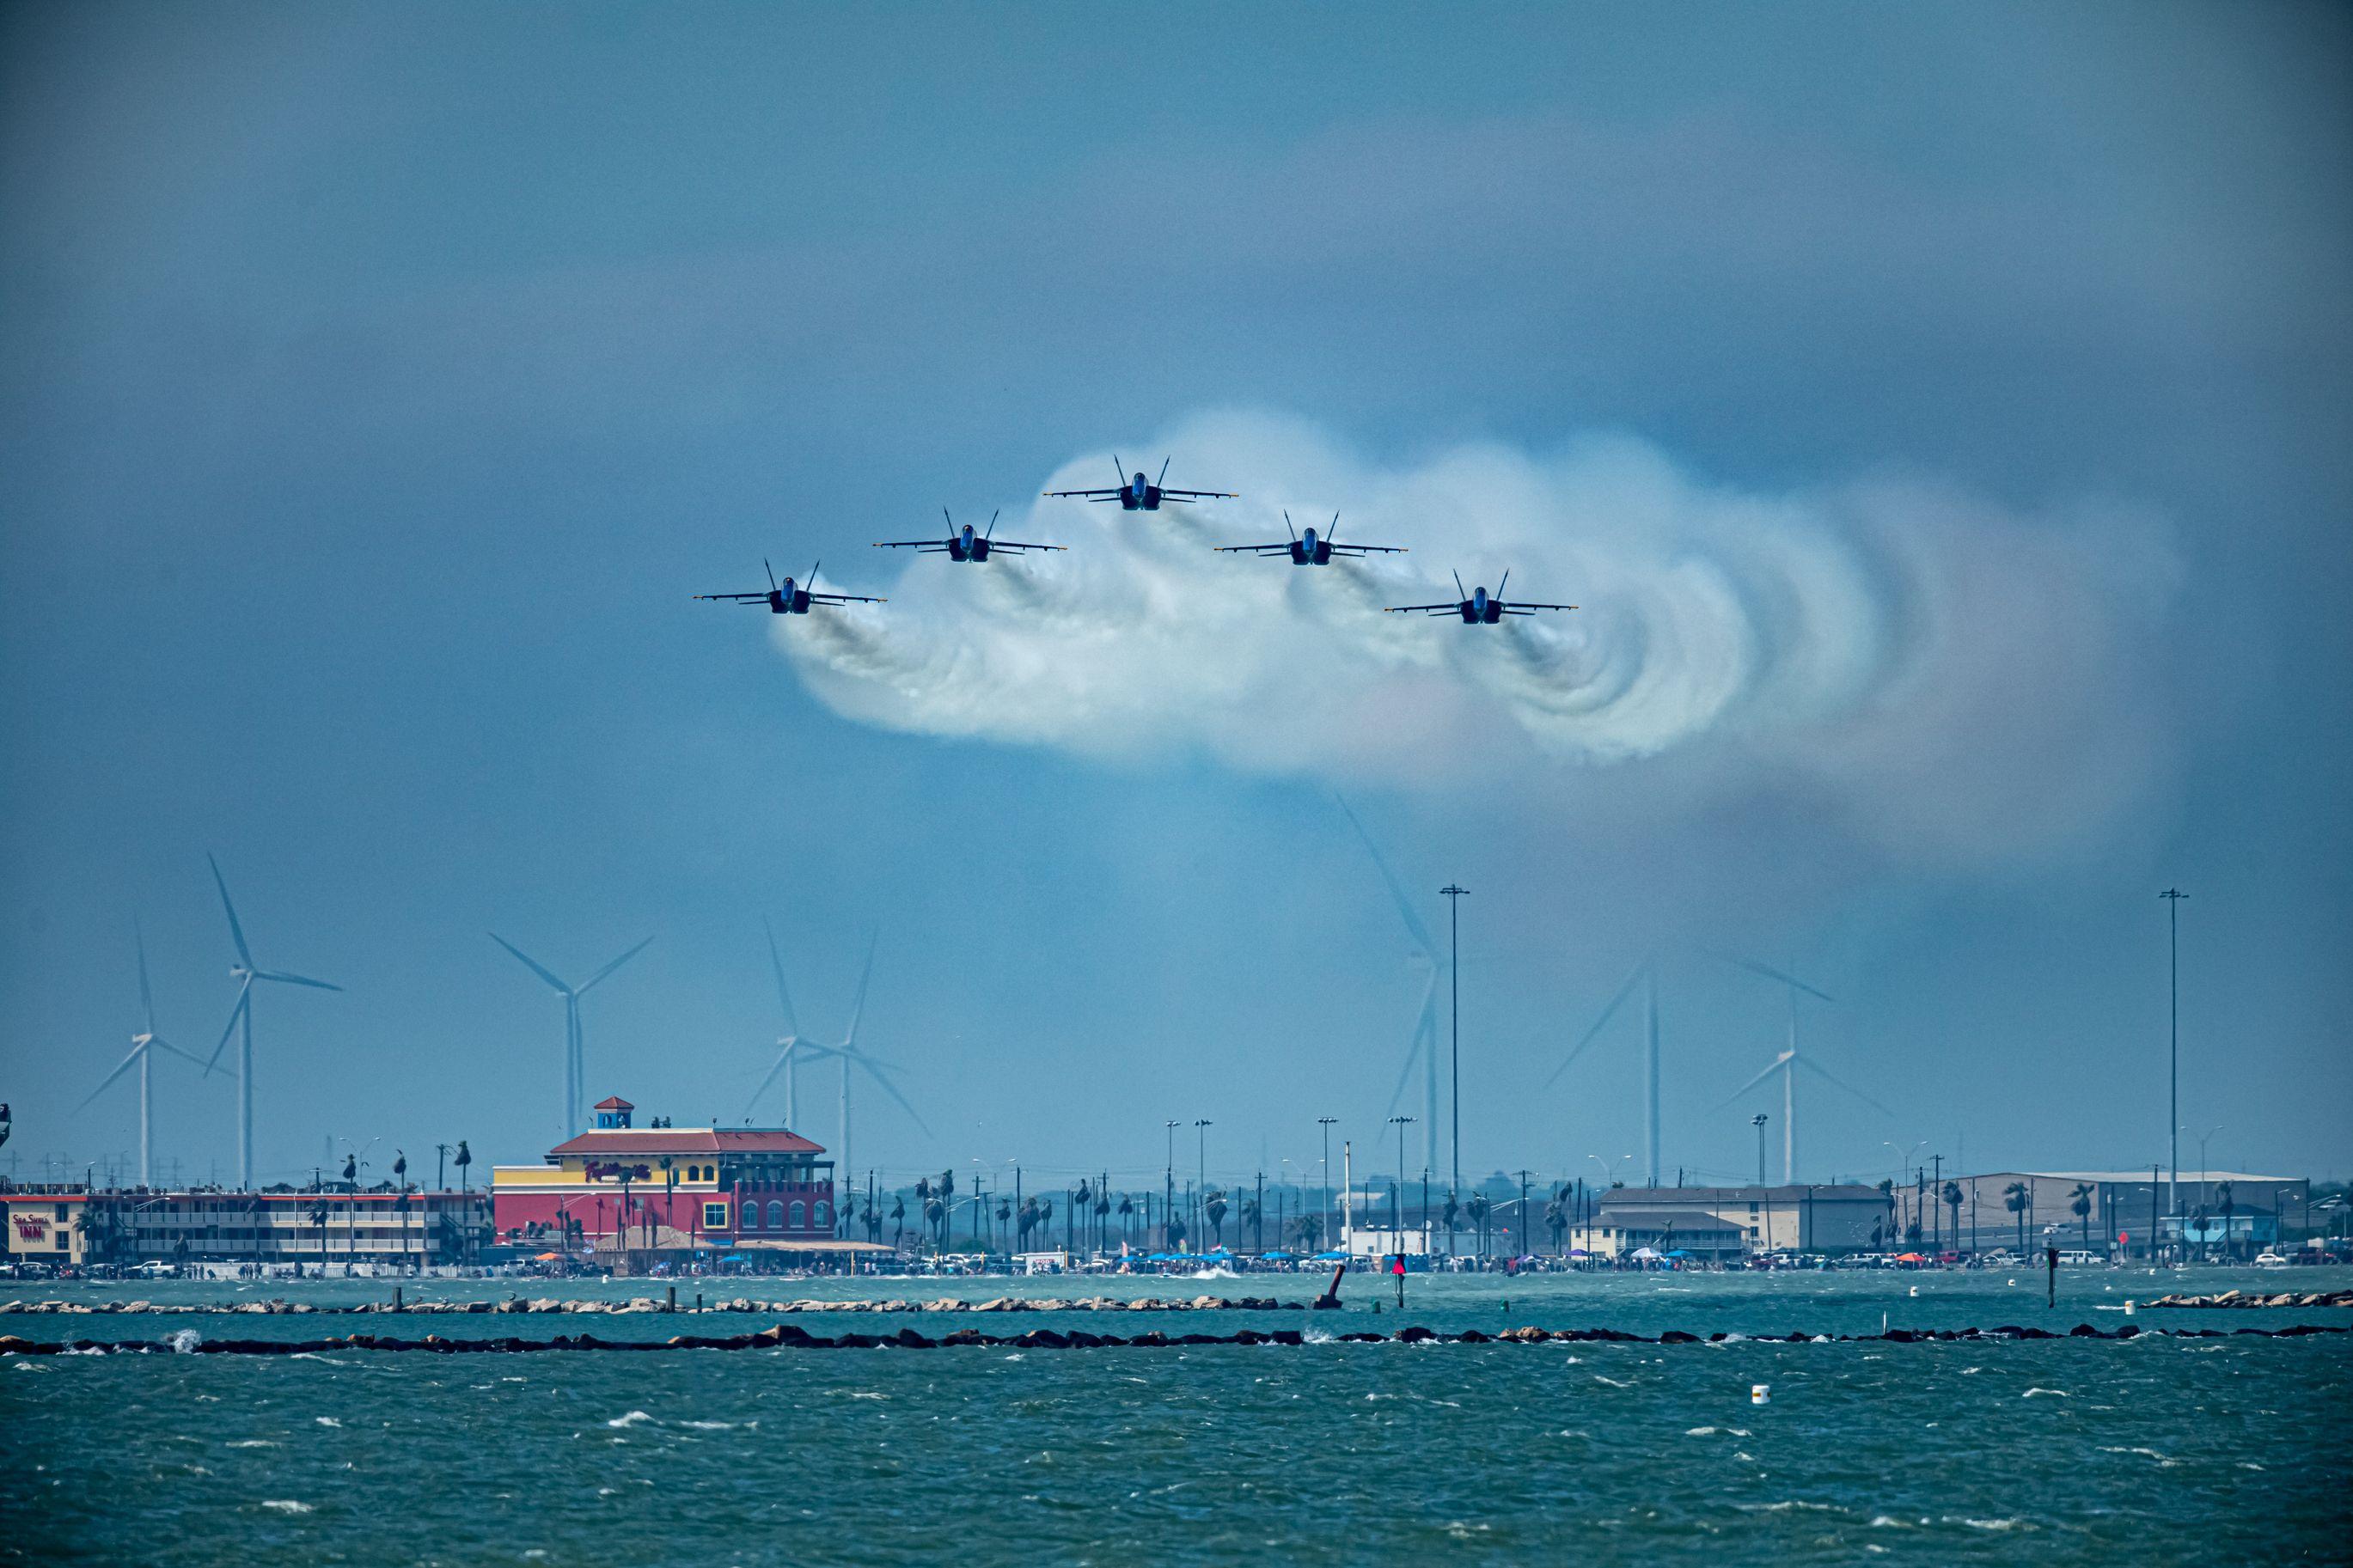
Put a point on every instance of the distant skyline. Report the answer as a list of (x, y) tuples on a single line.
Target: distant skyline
[(1943, 418)]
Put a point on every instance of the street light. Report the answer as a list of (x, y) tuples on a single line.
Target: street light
[(1760, 1118), (1610, 1167), (1396, 1202), (1324, 1223)]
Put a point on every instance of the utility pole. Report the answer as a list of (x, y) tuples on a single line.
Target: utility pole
[(1938, 1190), (2173, 897), (1454, 897), (1523, 1214), (1325, 1123)]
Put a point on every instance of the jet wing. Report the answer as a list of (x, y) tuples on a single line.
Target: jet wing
[(761, 596), (845, 599), (1167, 494), (1112, 494), (1368, 549), (1283, 549), (1446, 608), (1521, 608), (996, 544), (916, 545)]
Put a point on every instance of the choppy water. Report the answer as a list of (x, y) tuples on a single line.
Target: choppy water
[(2159, 1451)]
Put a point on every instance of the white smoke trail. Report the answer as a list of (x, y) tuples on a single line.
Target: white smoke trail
[(1937, 662)]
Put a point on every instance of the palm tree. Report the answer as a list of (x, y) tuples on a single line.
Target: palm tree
[(2228, 1205), (946, 1192), (2079, 1202), (1480, 1207), (898, 1220), (1126, 1213), (1176, 1229), (935, 1214), (1556, 1218), (400, 1203), (319, 1218), (1310, 1230), (1254, 1217), (463, 1158), (1213, 1204), (1080, 1196), (2013, 1198), (1452, 1214), (1004, 1212), (1103, 1212), (1953, 1202)]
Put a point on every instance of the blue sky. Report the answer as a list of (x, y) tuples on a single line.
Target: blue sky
[(1940, 415)]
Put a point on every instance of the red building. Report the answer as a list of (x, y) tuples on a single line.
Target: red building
[(663, 1188)]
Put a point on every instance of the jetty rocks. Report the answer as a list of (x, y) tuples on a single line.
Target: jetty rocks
[(649, 1304), (2259, 1298), (792, 1336)]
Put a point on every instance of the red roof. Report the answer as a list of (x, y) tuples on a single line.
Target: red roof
[(613, 1103), (688, 1141)]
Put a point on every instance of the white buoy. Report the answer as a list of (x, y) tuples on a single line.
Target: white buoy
[(2128, 1307), (1915, 1290), (1760, 1393)]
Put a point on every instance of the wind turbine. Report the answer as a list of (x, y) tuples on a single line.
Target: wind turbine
[(142, 1049), (848, 1055), (575, 1066), (1787, 1063), (1425, 1027), (246, 974), (787, 1043), (1646, 972)]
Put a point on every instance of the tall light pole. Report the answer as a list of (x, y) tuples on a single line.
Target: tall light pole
[(1325, 1123), (2173, 897), (1397, 1203), (2203, 1137), (1759, 1119), (1454, 897), (1201, 1162), (1168, 1187)]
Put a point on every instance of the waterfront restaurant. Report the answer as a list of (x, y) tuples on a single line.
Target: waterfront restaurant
[(620, 1188)]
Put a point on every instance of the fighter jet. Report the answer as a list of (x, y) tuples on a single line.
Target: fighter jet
[(1308, 550), (1141, 494), (963, 544), (1476, 608), (791, 598)]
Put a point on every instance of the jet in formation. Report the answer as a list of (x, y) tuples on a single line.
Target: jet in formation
[(1312, 549), (1141, 494), (791, 598), (1477, 607), (963, 544)]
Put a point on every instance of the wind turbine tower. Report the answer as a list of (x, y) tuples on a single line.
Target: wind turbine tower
[(1647, 974), (1787, 1063), (1424, 1046), (240, 1023)]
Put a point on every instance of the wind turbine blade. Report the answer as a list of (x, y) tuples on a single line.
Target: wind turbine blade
[(782, 1057), (236, 931), (1807, 1063), (783, 996), (243, 1000), (292, 979), (184, 1055), (531, 964), (858, 1009), (146, 996), (123, 1067), (892, 1090), (1769, 972), (1598, 1023), (1425, 1032), (1419, 933), (616, 964), (1776, 1066)]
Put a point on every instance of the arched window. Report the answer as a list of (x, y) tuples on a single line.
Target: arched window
[(800, 1215), (751, 1216), (776, 1216), (824, 1214)]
